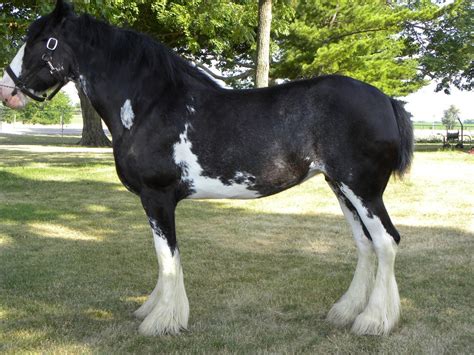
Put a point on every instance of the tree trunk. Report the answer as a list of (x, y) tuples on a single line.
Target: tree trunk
[(92, 133), (263, 43)]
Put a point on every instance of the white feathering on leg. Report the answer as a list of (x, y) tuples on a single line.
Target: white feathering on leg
[(170, 307), (149, 304), (353, 302), (383, 309)]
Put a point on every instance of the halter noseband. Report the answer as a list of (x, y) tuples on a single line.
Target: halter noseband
[(47, 57)]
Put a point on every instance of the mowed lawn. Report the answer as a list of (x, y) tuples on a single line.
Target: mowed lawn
[(76, 259)]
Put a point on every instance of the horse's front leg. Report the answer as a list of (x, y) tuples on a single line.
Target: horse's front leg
[(167, 309)]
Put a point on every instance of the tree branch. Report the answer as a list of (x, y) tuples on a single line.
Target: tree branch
[(208, 71), (335, 38)]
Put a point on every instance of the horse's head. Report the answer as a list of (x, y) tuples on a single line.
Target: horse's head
[(43, 63)]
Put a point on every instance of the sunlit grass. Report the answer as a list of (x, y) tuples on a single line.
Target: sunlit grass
[(76, 259)]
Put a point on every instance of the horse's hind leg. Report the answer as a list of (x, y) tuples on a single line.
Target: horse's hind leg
[(383, 308), (353, 302)]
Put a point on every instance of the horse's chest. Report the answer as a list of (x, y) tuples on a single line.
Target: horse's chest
[(204, 184), (138, 166)]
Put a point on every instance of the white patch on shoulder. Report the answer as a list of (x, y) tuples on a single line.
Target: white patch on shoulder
[(127, 115), (205, 187)]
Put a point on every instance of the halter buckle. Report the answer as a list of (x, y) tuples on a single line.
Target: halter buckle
[(52, 43)]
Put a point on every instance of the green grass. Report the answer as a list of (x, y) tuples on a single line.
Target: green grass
[(76, 259), (54, 140)]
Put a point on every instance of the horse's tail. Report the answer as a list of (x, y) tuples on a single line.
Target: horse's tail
[(405, 129)]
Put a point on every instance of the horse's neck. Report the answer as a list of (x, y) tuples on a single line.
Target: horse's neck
[(107, 88), (109, 84)]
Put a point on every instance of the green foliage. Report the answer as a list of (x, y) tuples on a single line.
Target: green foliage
[(220, 33), (450, 117), (15, 16), (394, 45), (40, 113), (443, 42), (355, 38)]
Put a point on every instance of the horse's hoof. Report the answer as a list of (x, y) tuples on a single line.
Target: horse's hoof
[(366, 324), (141, 313), (342, 314)]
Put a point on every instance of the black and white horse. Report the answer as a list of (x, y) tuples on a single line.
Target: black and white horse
[(177, 135)]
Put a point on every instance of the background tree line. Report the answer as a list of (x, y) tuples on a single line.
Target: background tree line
[(397, 46)]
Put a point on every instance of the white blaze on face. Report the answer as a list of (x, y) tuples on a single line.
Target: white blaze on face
[(17, 63), (205, 187), (8, 85), (127, 115)]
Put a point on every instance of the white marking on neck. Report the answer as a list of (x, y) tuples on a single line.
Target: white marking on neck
[(127, 115), (205, 187)]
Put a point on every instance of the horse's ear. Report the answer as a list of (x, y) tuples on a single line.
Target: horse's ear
[(62, 10)]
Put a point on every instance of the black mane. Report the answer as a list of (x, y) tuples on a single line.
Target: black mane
[(130, 47)]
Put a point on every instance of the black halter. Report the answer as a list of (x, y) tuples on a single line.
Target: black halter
[(56, 72)]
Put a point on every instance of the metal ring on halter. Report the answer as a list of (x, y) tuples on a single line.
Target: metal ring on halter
[(52, 43)]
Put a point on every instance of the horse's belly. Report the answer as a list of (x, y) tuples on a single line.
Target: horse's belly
[(203, 187)]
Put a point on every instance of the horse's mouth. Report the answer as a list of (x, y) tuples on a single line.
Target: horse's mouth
[(16, 102)]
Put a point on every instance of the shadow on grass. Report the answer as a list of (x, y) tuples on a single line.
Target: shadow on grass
[(56, 160), (255, 281), (56, 140)]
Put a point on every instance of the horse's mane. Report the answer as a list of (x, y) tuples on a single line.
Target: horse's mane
[(129, 47)]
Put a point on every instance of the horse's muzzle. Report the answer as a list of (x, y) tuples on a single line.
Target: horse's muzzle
[(11, 97)]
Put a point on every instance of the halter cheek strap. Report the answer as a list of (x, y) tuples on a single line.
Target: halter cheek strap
[(22, 87), (51, 45)]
